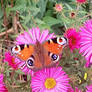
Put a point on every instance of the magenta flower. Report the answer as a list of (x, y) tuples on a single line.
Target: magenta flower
[(81, 1), (10, 60), (32, 35), (50, 80), (86, 41), (2, 85), (70, 89), (73, 38), (89, 88), (29, 37)]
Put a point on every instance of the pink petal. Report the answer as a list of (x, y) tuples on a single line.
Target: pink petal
[(21, 39), (44, 35), (1, 78), (37, 33), (28, 38), (50, 36)]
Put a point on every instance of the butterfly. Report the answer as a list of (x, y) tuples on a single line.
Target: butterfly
[(40, 55)]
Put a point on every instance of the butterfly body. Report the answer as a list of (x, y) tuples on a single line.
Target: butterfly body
[(40, 55)]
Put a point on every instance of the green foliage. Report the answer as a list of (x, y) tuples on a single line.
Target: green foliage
[(42, 13), (50, 21)]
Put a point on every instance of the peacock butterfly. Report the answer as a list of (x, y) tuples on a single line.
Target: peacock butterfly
[(40, 55)]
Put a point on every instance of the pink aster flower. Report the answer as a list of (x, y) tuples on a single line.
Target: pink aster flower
[(29, 37), (86, 41), (2, 85), (50, 80), (73, 38), (81, 1), (10, 60), (32, 35), (89, 88)]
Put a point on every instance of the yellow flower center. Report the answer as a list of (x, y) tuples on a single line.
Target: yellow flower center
[(50, 83)]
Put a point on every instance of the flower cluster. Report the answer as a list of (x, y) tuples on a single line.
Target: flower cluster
[(52, 79), (48, 79), (27, 38)]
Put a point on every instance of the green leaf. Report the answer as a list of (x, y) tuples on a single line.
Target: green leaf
[(44, 26), (20, 8), (68, 6), (19, 72), (42, 5), (83, 12), (1, 12), (51, 21), (27, 19), (28, 77), (49, 13), (39, 21), (20, 5), (34, 10)]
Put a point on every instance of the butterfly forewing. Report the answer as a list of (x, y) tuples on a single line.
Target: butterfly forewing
[(55, 45), (23, 51)]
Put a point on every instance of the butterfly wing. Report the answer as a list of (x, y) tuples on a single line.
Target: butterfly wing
[(55, 45), (23, 51)]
